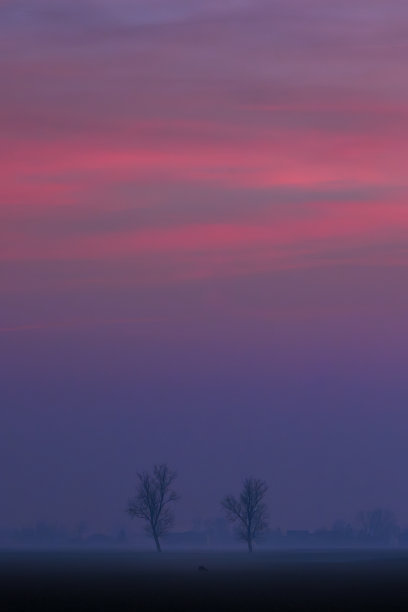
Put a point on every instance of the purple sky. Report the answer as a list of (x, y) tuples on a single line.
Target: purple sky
[(203, 255)]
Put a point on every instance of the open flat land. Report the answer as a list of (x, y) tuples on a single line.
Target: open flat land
[(125, 580)]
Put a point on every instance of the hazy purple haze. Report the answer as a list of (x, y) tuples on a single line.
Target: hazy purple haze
[(203, 255)]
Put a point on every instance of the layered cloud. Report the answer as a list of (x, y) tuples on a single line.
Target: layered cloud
[(267, 131)]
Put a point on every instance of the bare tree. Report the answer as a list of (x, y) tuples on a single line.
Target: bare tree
[(379, 524), (249, 512), (153, 500)]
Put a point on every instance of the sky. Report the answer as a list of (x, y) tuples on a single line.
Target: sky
[(203, 255)]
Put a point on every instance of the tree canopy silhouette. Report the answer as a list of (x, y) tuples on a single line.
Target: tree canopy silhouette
[(153, 501)]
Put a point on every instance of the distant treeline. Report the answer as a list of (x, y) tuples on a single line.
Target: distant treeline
[(246, 518), (374, 528), (248, 513)]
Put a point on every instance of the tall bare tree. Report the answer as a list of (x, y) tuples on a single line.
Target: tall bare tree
[(153, 501), (249, 511)]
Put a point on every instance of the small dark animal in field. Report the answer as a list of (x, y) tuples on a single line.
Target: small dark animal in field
[(201, 568)]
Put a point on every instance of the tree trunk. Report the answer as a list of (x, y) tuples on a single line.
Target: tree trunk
[(156, 539), (250, 545)]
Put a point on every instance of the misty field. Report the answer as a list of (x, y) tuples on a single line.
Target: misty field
[(294, 580)]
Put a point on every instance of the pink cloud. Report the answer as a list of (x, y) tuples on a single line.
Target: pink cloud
[(98, 127)]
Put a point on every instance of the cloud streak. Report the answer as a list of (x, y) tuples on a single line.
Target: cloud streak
[(127, 137)]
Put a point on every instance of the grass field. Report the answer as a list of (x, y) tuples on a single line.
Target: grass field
[(123, 580)]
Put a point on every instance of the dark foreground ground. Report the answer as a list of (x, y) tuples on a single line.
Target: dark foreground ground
[(295, 580)]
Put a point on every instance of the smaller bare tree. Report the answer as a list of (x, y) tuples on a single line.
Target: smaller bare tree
[(249, 512), (379, 524), (153, 500)]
